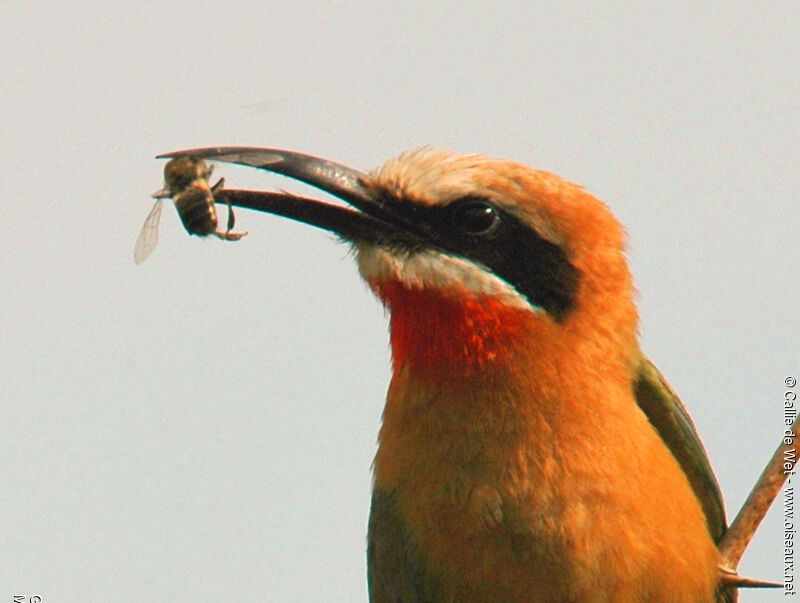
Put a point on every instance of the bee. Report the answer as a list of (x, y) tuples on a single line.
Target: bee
[(186, 182)]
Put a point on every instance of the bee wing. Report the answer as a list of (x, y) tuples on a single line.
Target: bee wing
[(148, 237)]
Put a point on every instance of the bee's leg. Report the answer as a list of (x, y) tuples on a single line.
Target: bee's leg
[(228, 235), (231, 216), (220, 183)]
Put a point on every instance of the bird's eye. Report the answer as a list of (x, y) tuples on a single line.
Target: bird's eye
[(474, 217)]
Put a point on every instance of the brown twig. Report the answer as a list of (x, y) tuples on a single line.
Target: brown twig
[(780, 466)]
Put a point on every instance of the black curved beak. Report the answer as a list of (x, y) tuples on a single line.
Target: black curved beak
[(369, 221)]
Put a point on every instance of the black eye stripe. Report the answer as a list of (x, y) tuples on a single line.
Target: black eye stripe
[(479, 230)]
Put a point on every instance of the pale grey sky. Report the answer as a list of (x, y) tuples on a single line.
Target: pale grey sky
[(201, 427)]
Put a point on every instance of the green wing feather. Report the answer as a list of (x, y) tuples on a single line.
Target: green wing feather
[(668, 415)]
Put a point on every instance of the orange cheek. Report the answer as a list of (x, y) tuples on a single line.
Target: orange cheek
[(444, 330)]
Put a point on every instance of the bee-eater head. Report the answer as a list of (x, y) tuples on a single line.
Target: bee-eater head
[(494, 253)]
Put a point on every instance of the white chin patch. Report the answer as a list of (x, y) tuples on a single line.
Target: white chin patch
[(432, 269)]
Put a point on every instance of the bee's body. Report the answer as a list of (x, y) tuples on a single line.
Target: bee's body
[(196, 207), (186, 182)]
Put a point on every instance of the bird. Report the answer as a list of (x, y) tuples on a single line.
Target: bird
[(529, 450)]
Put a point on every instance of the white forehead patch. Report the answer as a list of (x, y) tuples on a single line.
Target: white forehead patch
[(431, 269), (433, 175)]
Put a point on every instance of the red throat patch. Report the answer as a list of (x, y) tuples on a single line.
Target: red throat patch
[(437, 331)]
